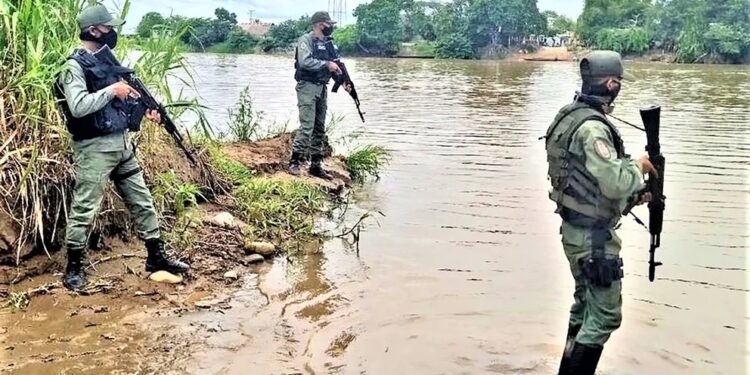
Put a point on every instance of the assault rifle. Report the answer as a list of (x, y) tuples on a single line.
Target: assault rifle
[(345, 79), (146, 100), (150, 102), (654, 185)]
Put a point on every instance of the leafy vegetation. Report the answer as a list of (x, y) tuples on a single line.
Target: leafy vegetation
[(695, 30), (284, 35), (460, 29), (170, 191), (367, 161), (279, 207), (634, 40), (346, 39), (244, 123), (380, 27), (220, 34), (558, 24), (36, 172)]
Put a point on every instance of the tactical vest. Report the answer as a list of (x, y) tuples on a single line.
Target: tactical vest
[(321, 50), (573, 186), (114, 117)]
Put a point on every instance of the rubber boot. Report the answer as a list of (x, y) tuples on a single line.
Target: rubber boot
[(159, 260), (294, 164), (75, 276), (569, 342), (584, 359), (316, 169)]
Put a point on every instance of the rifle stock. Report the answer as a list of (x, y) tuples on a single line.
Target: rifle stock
[(655, 184)]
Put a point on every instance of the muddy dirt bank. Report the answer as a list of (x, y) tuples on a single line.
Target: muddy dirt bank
[(120, 323)]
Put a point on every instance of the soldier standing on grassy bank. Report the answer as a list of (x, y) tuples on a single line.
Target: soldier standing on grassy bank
[(314, 67), (99, 112), (592, 181)]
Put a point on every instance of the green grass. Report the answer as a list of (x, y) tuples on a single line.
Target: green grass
[(367, 161), (245, 122), (171, 192), (279, 208)]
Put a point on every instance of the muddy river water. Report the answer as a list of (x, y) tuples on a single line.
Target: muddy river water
[(465, 273)]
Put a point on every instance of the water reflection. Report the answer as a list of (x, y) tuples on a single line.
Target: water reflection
[(465, 273)]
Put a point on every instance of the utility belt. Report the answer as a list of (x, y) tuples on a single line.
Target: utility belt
[(598, 268)]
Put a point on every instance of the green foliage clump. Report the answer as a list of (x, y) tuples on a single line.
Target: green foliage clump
[(380, 27), (454, 46), (558, 24), (610, 14), (695, 30), (346, 39), (149, 23), (367, 161), (171, 191), (635, 40), (726, 40), (244, 122), (277, 207), (285, 34)]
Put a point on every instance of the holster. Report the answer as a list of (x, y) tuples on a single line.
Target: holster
[(599, 269)]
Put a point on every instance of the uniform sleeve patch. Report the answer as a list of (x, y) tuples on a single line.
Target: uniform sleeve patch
[(602, 149)]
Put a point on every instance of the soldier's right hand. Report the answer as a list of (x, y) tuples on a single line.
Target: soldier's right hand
[(122, 90), (334, 68), (646, 167)]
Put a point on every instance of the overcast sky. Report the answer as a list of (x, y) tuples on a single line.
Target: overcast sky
[(275, 10)]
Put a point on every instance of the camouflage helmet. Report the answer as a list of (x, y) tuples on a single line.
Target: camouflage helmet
[(601, 64)]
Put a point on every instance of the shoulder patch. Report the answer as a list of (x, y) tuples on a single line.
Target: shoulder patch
[(602, 149)]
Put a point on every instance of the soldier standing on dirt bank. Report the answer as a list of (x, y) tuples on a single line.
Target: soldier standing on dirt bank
[(592, 180), (98, 109), (314, 67)]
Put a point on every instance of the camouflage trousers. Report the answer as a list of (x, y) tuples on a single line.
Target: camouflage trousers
[(94, 170), (312, 101), (597, 310)]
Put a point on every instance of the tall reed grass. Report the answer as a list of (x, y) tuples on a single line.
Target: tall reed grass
[(36, 173)]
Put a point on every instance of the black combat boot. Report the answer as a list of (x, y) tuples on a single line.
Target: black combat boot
[(75, 275), (316, 169), (569, 342), (294, 164), (584, 358), (159, 260)]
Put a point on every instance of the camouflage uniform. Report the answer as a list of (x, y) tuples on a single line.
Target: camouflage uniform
[(592, 181)]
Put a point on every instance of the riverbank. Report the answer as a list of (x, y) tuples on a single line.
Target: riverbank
[(49, 329)]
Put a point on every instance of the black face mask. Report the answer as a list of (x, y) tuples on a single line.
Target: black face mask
[(109, 39), (614, 93), (328, 30)]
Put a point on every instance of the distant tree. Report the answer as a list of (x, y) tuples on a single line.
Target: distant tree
[(557, 23), (380, 27), (346, 38), (602, 14), (148, 22), (241, 41), (489, 20), (286, 34), (224, 15)]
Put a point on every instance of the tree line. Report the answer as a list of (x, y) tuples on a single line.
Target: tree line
[(218, 34), (693, 30)]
